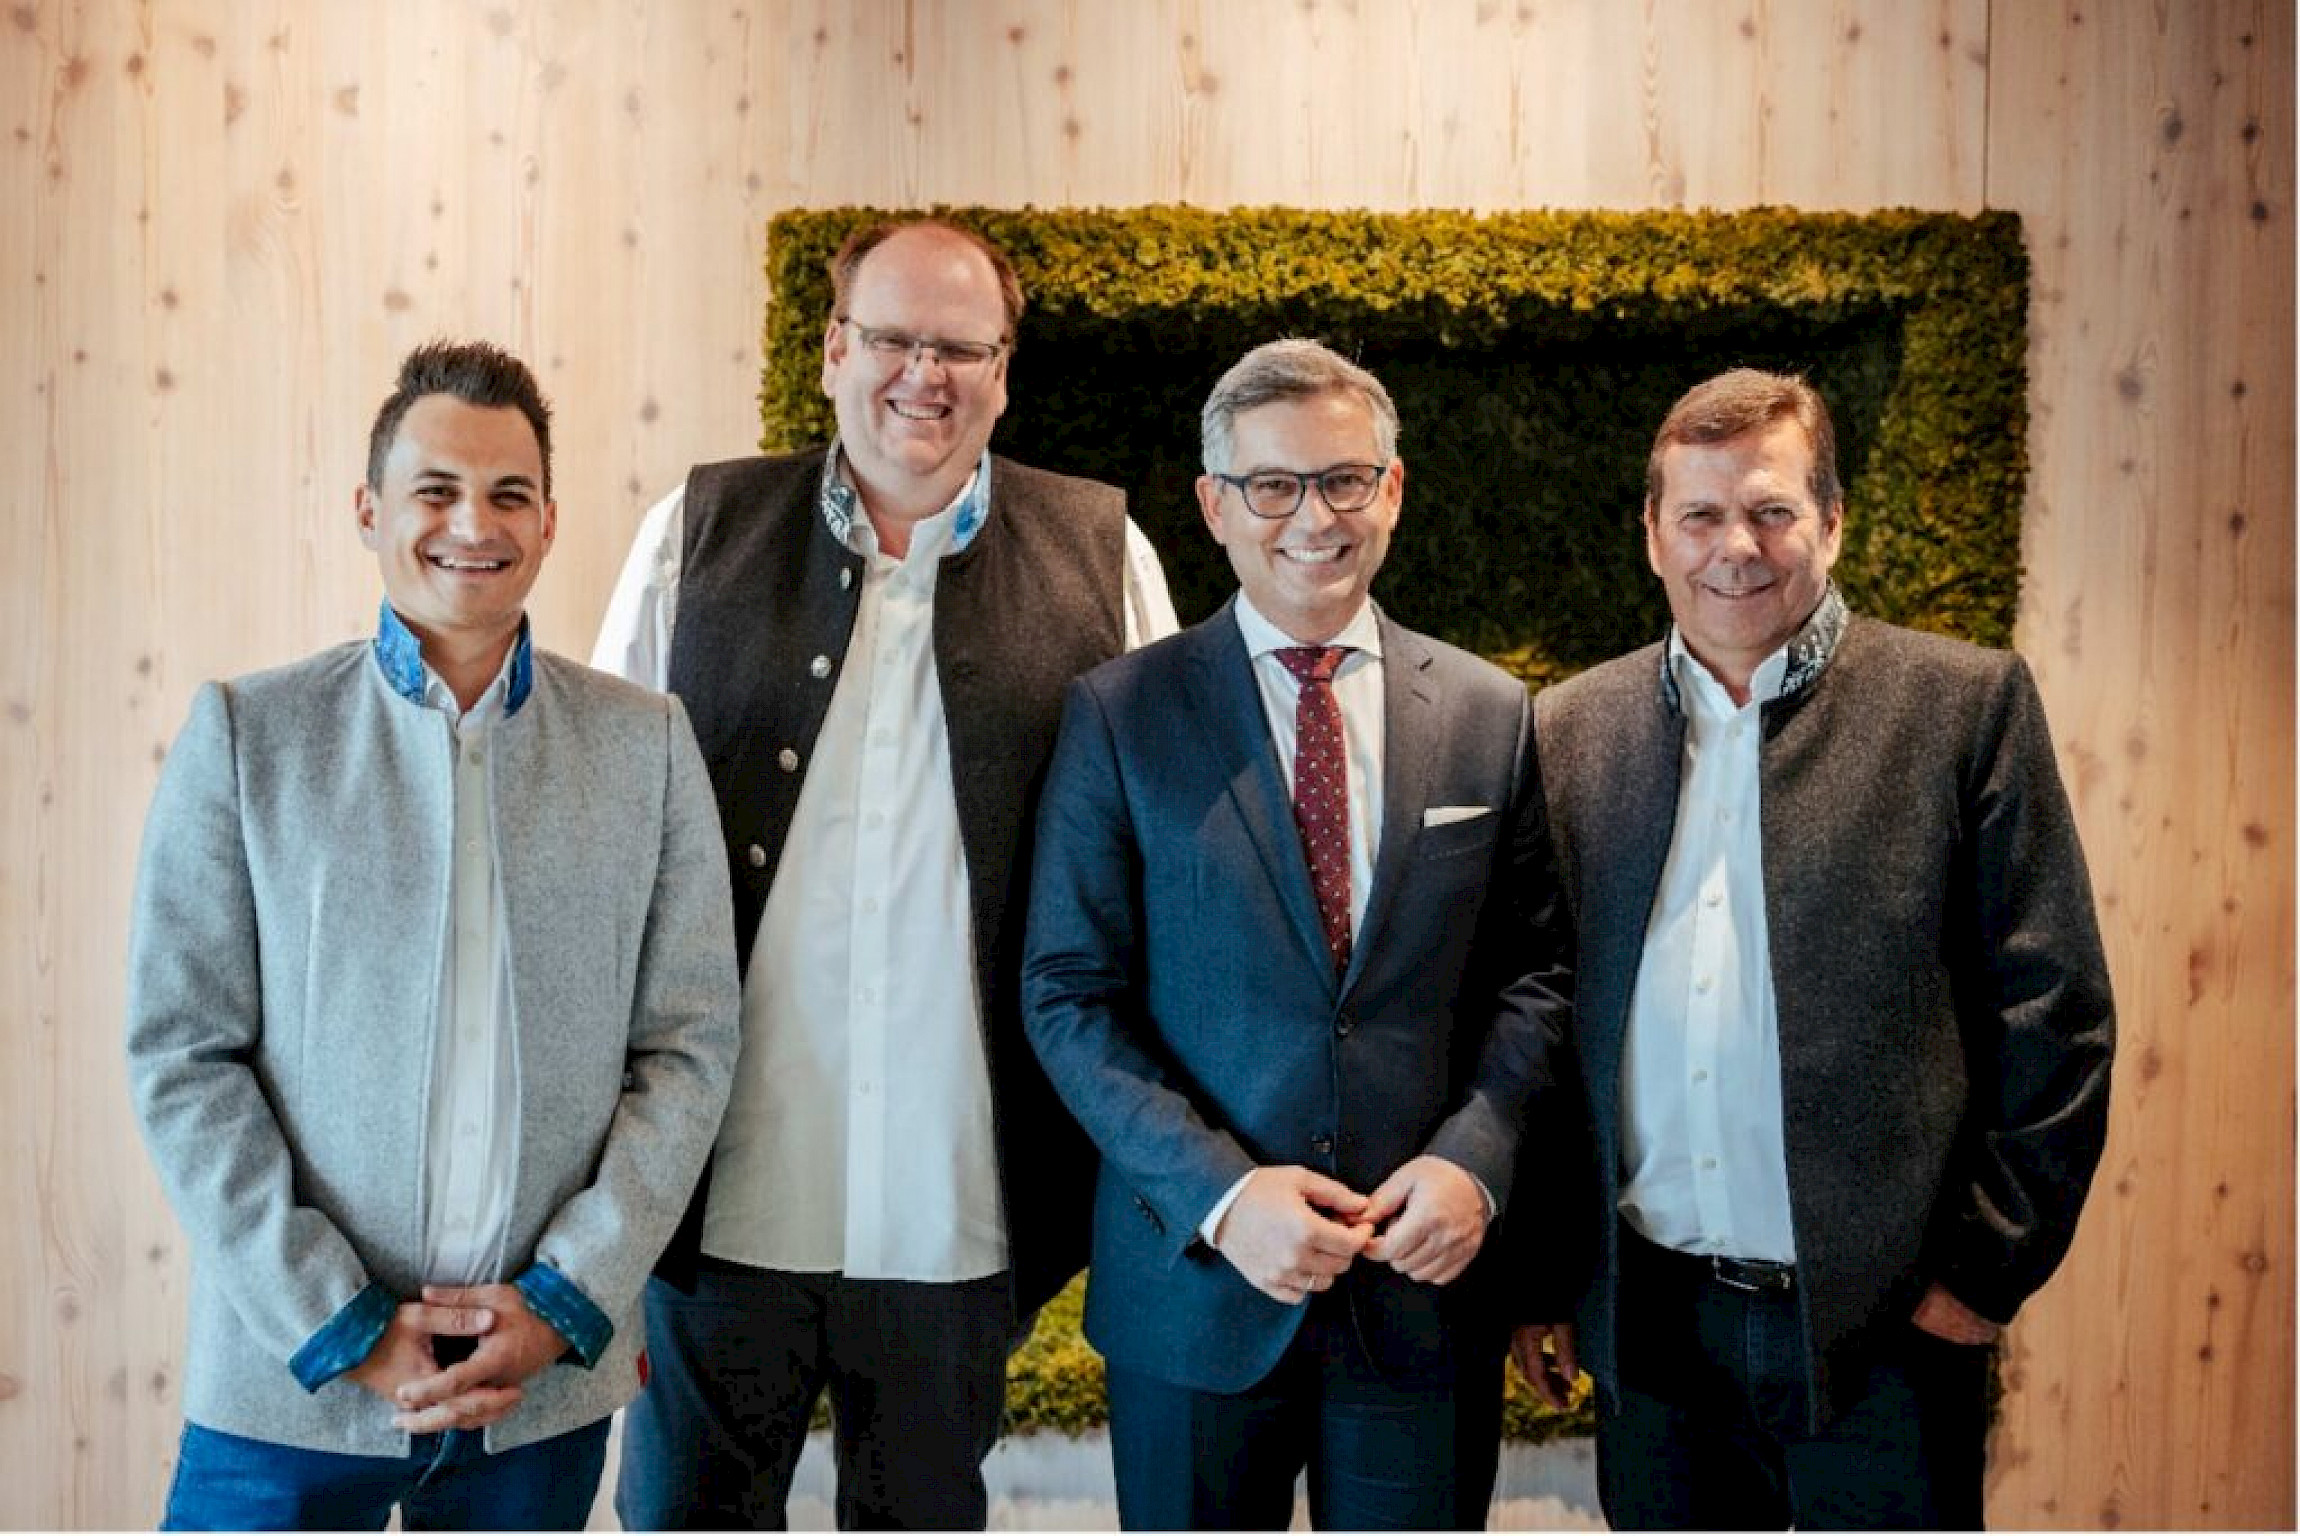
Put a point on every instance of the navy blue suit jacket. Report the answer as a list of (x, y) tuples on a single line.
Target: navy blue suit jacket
[(1177, 986)]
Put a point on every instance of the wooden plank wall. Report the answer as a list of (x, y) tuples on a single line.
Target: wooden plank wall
[(227, 218)]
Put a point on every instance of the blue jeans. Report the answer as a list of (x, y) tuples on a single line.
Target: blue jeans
[(447, 1482), (1710, 1428)]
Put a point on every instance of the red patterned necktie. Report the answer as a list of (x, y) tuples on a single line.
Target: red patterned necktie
[(1322, 789)]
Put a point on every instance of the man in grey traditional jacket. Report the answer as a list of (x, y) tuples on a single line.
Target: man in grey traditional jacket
[(431, 1014), (1843, 1011)]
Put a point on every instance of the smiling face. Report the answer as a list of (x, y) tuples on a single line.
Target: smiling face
[(913, 430), (1309, 573), (1741, 546), (460, 523)]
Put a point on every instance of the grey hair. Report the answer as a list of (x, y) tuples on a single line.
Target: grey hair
[(1294, 368)]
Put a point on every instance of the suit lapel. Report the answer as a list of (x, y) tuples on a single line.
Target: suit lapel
[(1409, 746), (1229, 709)]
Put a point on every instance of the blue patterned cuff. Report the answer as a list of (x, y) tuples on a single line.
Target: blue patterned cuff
[(554, 1298), (344, 1340)]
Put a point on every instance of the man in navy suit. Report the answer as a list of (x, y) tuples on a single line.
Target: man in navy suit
[(1295, 962)]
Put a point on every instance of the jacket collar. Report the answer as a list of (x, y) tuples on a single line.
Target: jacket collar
[(840, 503), (399, 656), (1809, 651)]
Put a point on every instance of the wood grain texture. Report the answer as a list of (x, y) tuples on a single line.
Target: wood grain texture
[(2150, 150), (230, 217)]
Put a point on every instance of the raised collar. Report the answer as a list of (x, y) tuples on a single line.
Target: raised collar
[(841, 503), (399, 656), (1808, 650)]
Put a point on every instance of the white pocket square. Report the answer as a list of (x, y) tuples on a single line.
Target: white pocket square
[(1447, 815)]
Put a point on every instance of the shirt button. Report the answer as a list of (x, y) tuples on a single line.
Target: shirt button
[(1703, 984), (820, 666), (787, 760), (869, 905), (475, 757), (757, 856), (1712, 898), (1701, 1074), (1708, 1165)]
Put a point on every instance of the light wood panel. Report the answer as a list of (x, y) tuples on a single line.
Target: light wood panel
[(230, 217), (2150, 150)]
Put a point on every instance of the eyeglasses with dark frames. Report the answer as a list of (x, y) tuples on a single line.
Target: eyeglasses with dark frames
[(890, 346), (1276, 493)]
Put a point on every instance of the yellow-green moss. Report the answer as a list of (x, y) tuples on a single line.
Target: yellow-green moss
[(1532, 356)]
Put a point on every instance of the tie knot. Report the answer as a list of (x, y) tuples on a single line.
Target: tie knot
[(1312, 663)]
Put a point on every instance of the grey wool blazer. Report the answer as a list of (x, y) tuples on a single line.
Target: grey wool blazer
[(283, 985), (1945, 1020)]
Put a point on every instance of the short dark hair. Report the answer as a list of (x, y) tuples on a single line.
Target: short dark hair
[(848, 259), (474, 372), (1748, 400)]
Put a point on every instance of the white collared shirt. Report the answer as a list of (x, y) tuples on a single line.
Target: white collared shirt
[(471, 1140), (1703, 1168), (859, 1138)]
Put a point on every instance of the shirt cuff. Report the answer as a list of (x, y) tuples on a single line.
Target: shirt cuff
[(1221, 1209), (344, 1340), (554, 1298)]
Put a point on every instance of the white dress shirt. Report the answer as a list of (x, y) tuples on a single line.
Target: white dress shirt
[(859, 1137), (471, 1136), (1703, 1166)]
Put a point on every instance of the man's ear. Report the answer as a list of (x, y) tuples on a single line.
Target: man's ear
[(834, 350), (363, 511), (1210, 505)]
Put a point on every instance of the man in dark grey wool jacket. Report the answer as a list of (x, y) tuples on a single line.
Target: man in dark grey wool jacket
[(1842, 1009)]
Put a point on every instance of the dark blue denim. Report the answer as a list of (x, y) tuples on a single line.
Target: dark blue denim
[(1709, 1430), (447, 1482)]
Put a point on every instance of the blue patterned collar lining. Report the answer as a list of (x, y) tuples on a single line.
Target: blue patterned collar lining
[(841, 503), (399, 655), (1809, 651)]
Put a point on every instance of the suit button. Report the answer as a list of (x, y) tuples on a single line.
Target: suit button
[(820, 666), (787, 760), (846, 577), (1344, 1024), (1323, 1146), (757, 856)]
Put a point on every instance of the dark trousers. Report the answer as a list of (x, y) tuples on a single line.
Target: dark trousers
[(917, 1379), (1709, 1430), (446, 1482), (1380, 1455)]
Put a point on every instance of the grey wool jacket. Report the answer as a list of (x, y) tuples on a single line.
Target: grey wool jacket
[(283, 985), (1945, 1020)]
